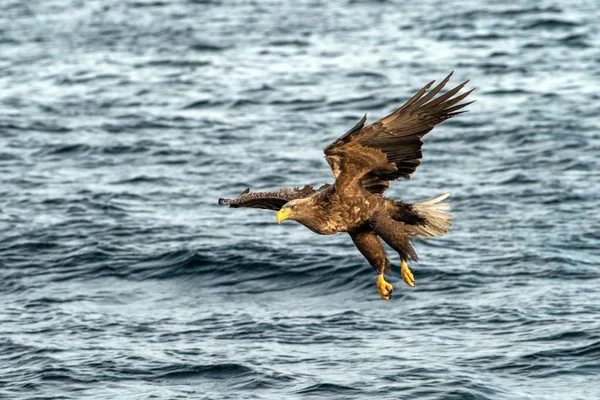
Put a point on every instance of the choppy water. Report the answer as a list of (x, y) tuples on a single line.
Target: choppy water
[(122, 122)]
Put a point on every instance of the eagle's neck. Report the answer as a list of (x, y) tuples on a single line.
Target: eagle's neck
[(317, 219)]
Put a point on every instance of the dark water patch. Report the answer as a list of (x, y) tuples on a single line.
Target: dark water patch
[(143, 179), (503, 12), (513, 12), (141, 4), (215, 371), (47, 302), (260, 89), (574, 336), (499, 68), (289, 42), (201, 104), (64, 150), (552, 24), (9, 157), (487, 36), (171, 264), (575, 41), (366, 74), (350, 2), (518, 179), (326, 389), (64, 376), (209, 47), (499, 54), (179, 63), (563, 198), (239, 103), (9, 41), (298, 102), (30, 246), (137, 122), (507, 92), (84, 77), (124, 149), (175, 152), (534, 45)]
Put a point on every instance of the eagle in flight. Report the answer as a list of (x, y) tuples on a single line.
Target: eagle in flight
[(364, 160)]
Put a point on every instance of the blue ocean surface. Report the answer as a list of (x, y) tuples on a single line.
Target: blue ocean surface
[(123, 122)]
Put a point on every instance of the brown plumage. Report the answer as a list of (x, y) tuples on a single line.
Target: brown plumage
[(363, 161)]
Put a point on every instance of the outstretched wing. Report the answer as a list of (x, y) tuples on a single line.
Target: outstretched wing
[(270, 200), (391, 147)]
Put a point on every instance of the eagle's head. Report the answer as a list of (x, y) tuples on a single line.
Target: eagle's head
[(296, 210)]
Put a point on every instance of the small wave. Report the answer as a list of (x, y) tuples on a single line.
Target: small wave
[(534, 45), (518, 179), (63, 376), (513, 12), (214, 371), (72, 80), (262, 88), (124, 149), (143, 179), (213, 2), (176, 152), (328, 389), (9, 157), (366, 74), (548, 363), (289, 42), (487, 36), (552, 24), (144, 4), (239, 103), (576, 40), (174, 63), (203, 46), (201, 104), (64, 149), (507, 92), (297, 101), (562, 336)]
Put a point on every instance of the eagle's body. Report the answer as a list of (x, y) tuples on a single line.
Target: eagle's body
[(363, 161), (335, 212)]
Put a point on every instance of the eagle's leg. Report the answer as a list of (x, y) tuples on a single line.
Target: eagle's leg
[(406, 273), (369, 245), (394, 234)]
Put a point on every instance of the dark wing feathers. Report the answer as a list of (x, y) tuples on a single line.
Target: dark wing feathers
[(269, 200), (399, 134), (374, 183), (388, 149), (359, 125)]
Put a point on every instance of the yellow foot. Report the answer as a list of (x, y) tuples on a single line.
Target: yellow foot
[(407, 274), (384, 288)]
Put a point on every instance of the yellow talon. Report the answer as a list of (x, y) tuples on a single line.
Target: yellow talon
[(384, 288), (407, 274)]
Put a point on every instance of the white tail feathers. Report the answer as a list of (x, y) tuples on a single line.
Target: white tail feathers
[(436, 220)]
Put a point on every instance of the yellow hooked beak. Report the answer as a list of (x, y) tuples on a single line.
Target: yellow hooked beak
[(283, 214)]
